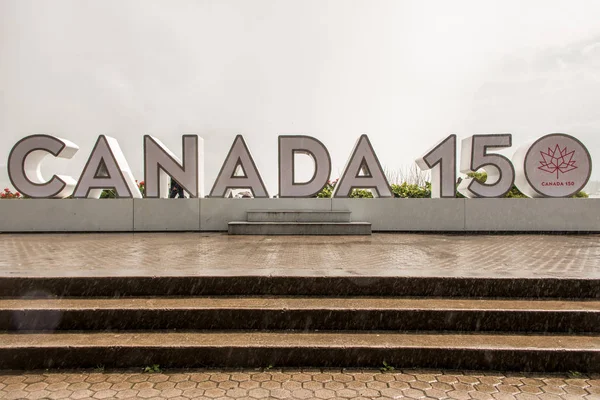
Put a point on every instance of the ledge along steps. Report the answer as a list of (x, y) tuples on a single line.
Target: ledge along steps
[(298, 216), (471, 323), (298, 222)]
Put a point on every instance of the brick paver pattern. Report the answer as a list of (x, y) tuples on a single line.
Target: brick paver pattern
[(297, 384), (206, 254)]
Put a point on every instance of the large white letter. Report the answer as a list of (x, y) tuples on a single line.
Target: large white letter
[(239, 157), (292, 145), (106, 168), (25, 169), (363, 159), (160, 163)]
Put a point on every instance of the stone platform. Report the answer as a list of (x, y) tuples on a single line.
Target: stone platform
[(510, 302)]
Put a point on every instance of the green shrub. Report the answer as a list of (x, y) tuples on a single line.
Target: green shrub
[(361, 194), (412, 191), (514, 192), (108, 194), (327, 191), (415, 191), (111, 194), (404, 190)]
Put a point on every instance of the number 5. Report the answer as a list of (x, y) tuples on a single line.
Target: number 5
[(499, 169)]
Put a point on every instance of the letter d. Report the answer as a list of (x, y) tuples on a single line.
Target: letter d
[(288, 147)]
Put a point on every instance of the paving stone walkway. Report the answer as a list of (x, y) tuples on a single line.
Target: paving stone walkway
[(297, 384), (216, 254)]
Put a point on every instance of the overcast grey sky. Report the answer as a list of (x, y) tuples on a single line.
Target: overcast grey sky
[(407, 73)]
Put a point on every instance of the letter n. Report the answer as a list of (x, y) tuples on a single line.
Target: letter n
[(160, 163)]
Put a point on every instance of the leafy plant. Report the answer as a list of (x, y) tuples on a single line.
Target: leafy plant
[(153, 369), (141, 186), (413, 191), (514, 192), (99, 368), (361, 194), (108, 194), (111, 194), (386, 367), (327, 191), (404, 190), (580, 195), (8, 194), (575, 374), (422, 191)]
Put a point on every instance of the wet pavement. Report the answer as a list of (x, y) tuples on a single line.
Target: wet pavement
[(217, 254), (297, 384)]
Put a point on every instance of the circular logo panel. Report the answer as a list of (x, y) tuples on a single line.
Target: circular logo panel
[(557, 165)]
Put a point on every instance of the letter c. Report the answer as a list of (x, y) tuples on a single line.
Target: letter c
[(24, 166)]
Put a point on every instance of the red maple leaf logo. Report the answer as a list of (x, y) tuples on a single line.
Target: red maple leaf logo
[(557, 161)]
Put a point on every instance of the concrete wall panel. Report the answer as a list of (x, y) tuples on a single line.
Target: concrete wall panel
[(127, 215), (532, 215), (166, 215), (406, 214), (66, 215)]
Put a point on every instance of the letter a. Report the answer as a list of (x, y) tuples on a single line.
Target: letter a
[(106, 168), (239, 157), (363, 159)]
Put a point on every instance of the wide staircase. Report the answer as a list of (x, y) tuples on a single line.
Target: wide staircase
[(466, 323), (299, 222)]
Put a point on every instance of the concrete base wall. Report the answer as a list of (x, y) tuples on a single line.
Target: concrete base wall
[(406, 214), (166, 215), (532, 215), (400, 215), (66, 215)]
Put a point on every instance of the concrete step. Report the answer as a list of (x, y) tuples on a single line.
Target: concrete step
[(324, 286), (299, 228), (304, 314), (256, 349), (298, 216)]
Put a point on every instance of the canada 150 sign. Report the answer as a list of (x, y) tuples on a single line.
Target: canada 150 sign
[(556, 165)]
